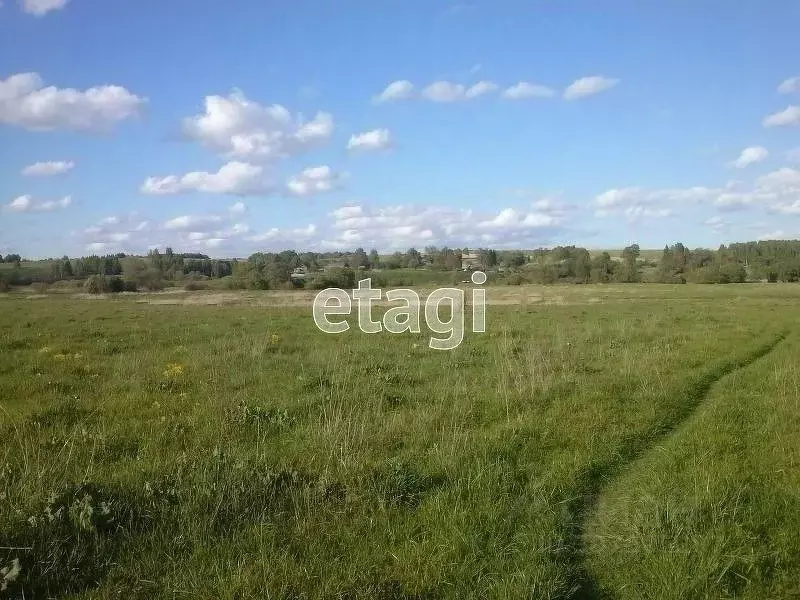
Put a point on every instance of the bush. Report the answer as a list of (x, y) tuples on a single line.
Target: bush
[(337, 277), (4, 286), (116, 285), (235, 283), (514, 279), (95, 284), (193, 286)]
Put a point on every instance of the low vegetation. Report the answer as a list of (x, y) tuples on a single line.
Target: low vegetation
[(626, 441)]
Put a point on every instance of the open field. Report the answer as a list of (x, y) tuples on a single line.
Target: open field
[(617, 441)]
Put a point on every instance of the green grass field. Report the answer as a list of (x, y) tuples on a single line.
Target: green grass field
[(597, 442)]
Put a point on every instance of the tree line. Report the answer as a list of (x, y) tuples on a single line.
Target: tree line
[(770, 261)]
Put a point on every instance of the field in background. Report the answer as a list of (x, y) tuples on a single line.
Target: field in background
[(597, 442)]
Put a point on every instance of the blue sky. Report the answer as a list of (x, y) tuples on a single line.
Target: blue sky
[(227, 128)]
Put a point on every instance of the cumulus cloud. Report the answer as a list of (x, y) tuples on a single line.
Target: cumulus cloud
[(191, 232), (346, 227), (789, 116), (25, 102), (778, 191), (314, 180), (118, 233), (237, 127), (524, 90), (237, 208), (27, 203), (285, 238), (789, 86), (234, 178), (39, 8), (481, 88), (635, 202), (749, 156), (397, 90), (48, 169), (369, 141), (446, 91), (588, 86), (197, 223), (398, 227)]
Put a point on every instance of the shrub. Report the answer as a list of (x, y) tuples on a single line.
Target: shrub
[(4, 286), (236, 283), (95, 284), (193, 286), (116, 284), (337, 277), (514, 279)]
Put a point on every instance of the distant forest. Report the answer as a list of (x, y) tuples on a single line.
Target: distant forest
[(765, 261)]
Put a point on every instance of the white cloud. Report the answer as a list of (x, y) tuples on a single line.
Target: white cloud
[(398, 227), (235, 178), (778, 234), (588, 86), (348, 226), (39, 8), (397, 90), (789, 86), (237, 127), (376, 139), (48, 169), (782, 181), (778, 191), (637, 202), (314, 180), (444, 91), (789, 116), (196, 223), (27, 203), (25, 102), (636, 212), (481, 88), (351, 211), (513, 218), (237, 208), (523, 90), (287, 237), (749, 156), (716, 223), (133, 233)]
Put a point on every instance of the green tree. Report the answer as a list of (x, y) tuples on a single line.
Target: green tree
[(413, 258), (374, 259), (630, 264)]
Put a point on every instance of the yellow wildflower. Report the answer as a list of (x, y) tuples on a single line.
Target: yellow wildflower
[(274, 339), (173, 370)]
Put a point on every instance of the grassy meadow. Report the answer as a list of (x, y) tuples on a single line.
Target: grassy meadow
[(618, 441)]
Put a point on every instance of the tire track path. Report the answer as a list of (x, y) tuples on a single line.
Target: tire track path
[(595, 480)]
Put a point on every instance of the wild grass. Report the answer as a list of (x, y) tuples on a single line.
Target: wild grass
[(155, 451)]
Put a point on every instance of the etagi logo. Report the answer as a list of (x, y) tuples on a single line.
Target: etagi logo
[(399, 319)]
